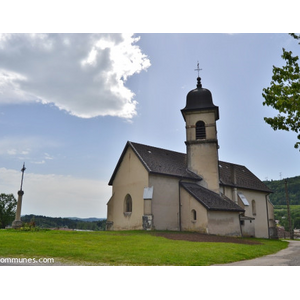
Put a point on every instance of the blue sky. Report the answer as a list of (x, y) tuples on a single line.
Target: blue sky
[(70, 102)]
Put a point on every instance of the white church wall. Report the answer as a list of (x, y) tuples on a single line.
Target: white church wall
[(131, 178), (257, 210), (193, 213), (165, 202), (248, 228), (224, 223), (259, 213), (271, 214)]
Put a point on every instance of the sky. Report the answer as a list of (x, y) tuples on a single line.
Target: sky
[(69, 102)]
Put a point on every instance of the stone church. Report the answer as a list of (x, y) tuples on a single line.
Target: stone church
[(159, 189)]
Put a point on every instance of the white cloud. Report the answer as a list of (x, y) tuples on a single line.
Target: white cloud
[(11, 151), (43, 161), (48, 156), (25, 147), (57, 195), (84, 74), (10, 87), (38, 162)]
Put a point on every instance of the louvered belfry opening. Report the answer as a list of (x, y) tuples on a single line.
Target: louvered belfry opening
[(200, 131)]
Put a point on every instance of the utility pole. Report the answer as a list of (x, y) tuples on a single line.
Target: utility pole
[(288, 210)]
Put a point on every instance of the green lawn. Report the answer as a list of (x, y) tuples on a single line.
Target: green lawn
[(126, 248)]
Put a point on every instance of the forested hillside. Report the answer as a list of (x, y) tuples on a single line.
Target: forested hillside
[(72, 223), (280, 212), (278, 187), (278, 198)]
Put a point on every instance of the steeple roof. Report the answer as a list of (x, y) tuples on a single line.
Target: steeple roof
[(200, 99)]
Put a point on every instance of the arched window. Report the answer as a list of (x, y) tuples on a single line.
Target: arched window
[(194, 215), (200, 130), (253, 207), (128, 204)]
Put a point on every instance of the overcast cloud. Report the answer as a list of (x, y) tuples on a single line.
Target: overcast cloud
[(57, 195), (84, 74)]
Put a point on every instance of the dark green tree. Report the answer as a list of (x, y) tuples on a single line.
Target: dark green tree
[(8, 204), (284, 94)]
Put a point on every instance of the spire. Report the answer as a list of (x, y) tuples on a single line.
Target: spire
[(199, 85), (199, 99)]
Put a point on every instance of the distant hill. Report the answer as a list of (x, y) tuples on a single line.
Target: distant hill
[(72, 223), (278, 187), (86, 219)]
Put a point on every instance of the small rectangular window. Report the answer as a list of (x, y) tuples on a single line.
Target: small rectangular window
[(243, 199), (148, 193)]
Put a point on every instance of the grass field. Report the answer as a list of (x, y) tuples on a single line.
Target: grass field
[(126, 248)]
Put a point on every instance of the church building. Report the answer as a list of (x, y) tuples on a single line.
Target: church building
[(160, 189)]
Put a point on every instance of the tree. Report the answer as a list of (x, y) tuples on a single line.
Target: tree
[(8, 204), (284, 94)]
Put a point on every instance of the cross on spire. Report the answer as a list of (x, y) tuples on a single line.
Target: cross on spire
[(198, 69)]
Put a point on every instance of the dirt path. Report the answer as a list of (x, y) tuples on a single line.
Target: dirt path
[(198, 237)]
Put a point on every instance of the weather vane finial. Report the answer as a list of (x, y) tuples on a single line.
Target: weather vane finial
[(198, 69)]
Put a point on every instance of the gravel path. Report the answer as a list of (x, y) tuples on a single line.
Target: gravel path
[(286, 257)]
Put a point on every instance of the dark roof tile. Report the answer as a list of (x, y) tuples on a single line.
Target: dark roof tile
[(244, 178), (210, 199), (162, 161)]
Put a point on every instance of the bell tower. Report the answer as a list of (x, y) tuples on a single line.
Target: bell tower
[(200, 115)]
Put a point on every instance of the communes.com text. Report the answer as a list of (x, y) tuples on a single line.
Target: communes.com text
[(9, 260)]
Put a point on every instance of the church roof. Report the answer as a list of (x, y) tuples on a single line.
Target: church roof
[(209, 199), (162, 161), (171, 163), (243, 178), (159, 161)]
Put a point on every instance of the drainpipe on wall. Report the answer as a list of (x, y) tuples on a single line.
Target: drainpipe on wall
[(179, 203)]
